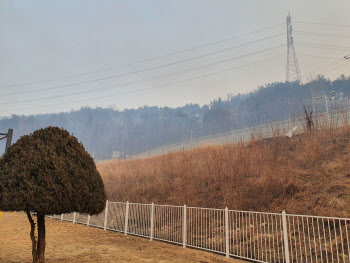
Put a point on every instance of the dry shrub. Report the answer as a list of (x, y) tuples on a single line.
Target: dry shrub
[(296, 174)]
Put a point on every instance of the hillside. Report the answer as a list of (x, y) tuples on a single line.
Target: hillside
[(306, 174), (131, 131)]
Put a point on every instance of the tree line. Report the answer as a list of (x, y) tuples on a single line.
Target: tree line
[(130, 131)]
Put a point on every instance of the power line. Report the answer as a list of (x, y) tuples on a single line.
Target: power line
[(320, 34), (165, 85), (143, 80), (308, 55), (321, 45), (318, 68), (142, 60), (337, 67), (323, 24), (326, 66), (143, 70), (323, 68), (166, 75), (168, 64), (312, 66)]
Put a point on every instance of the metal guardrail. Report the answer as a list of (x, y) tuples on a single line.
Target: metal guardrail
[(246, 134), (255, 236)]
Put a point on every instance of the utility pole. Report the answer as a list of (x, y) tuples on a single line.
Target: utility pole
[(326, 100), (182, 138), (182, 115), (292, 71), (8, 137), (191, 131)]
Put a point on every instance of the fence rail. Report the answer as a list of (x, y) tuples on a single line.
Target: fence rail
[(255, 236), (336, 117)]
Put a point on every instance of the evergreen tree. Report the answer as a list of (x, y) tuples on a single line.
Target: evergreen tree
[(49, 172)]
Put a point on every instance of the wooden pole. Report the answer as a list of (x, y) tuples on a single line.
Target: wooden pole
[(9, 139)]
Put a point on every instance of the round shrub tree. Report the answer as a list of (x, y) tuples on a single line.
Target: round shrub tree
[(49, 172)]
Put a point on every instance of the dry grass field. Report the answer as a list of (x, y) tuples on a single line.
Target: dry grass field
[(68, 242), (305, 174)]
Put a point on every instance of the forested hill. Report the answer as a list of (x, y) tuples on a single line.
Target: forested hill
[(104, 131)]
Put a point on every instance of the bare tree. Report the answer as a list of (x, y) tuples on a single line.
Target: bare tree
[(309, 121)]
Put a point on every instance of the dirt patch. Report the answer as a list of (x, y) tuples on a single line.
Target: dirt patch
[(68, 242)]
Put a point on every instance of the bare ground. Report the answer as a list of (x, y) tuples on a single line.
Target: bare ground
[(68, 242)]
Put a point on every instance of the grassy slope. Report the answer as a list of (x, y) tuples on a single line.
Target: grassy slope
[(307, 174)]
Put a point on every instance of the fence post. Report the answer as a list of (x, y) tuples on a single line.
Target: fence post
[(285, 236), (152, 221), (106, 214), (74, 217), (126, 218), (88, 221), (184, 230), (227, 233), (61, 217)]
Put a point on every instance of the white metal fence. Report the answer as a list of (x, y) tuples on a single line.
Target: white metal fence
[(256, 236)]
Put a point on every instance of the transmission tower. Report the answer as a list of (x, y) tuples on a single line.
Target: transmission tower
[(293, 72)]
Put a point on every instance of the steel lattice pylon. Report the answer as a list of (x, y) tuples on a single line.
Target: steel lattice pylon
[(293, 72)]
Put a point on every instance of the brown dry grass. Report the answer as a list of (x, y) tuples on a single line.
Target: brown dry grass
[(306, 174), (68, 242)]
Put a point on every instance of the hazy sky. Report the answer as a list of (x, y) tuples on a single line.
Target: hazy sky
[(52, 44)]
